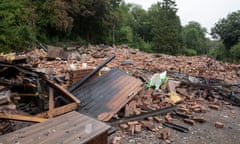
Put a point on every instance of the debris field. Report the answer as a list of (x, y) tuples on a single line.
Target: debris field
[(197, 101)]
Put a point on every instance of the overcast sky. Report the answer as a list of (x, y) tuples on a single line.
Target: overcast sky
[(206, 12)]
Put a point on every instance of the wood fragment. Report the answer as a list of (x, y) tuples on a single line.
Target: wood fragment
[(22, 118), (60, 110), (62, 90), (51, 102)]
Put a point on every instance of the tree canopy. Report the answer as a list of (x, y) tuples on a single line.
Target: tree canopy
[(15, 28), (228, 29), (166, 27), (193, 36), (25, 23)]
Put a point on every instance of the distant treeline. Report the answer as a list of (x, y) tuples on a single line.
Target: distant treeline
[(26, 23)]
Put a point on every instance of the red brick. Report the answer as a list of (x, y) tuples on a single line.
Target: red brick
[(168, 118), (138, 128), (215, 107), (219, 125)]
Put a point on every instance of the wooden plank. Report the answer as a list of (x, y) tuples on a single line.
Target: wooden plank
[(51, 102), (60, 110), (22, 118), (69, 128), (27, 94)]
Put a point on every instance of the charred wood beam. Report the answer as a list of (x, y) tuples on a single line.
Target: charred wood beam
[(176, 127), (82, 81)]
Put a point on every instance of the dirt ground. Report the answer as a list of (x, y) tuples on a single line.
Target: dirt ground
[(200, 133)]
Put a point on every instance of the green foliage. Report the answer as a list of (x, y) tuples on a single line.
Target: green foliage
[(218, 51), (125, 35), (228, 29), (142, 45), (15, 29), (141, 23), (193, 36), (235, 52), (166, 27), (189, 52), (67, 22)]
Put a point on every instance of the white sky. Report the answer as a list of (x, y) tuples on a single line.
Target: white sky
[(206, 12)]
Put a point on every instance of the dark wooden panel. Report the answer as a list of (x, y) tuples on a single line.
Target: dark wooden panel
[(108, 93), (69, 128)]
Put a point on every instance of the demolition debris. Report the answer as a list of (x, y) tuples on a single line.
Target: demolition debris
[(127, 89)]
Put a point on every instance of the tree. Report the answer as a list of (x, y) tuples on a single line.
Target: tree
[(228, 29), (235, 52), (15, 27), (193, 36), (93, 19), (123, 28), (166, 27), (141, 23)]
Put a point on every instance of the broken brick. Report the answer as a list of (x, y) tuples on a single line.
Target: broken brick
[(124, 126), (138, 128), (197, 110), (219, 125), (189, 121), (148, 124), (116, 140), (165, 134), (196, 106), (215, 107), (133, 123), (158, 119), (167, 141), (199, 119), (168, 118), (150, 118)]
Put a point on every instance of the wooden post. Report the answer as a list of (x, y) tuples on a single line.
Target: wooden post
[(51, 102)]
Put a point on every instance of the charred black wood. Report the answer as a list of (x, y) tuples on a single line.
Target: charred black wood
[(176, 127)]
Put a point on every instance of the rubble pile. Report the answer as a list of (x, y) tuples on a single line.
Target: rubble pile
[(41, 88)]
